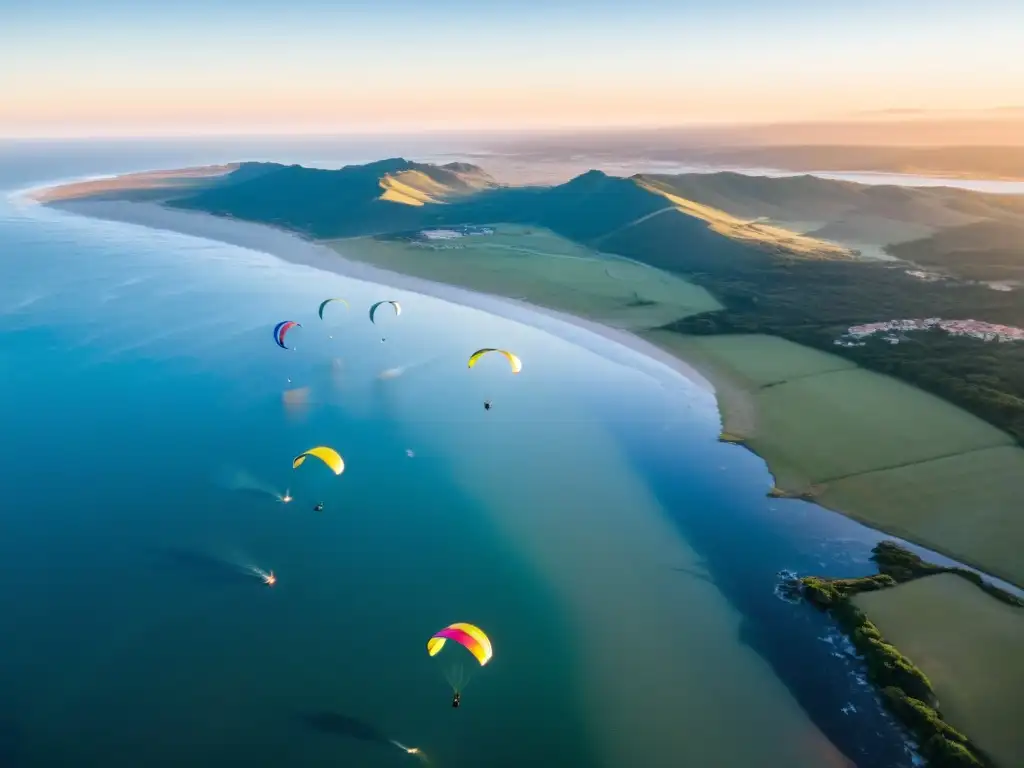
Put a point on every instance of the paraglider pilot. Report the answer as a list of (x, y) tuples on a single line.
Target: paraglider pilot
[(487, 405), (456, 700), (319, 507)]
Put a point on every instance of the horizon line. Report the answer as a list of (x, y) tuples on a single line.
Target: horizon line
[(881, 117)]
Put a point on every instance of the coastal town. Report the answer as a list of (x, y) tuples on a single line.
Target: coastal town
[(893, 331), (455, 232)]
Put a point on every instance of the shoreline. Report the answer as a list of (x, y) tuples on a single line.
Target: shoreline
[(859, 607), (293, 248), (736, 407), (627, 734)]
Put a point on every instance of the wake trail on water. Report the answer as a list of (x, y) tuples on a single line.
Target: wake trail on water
[(267, 577), (244, 566), (216, 568), (415, 751), (235, 479)]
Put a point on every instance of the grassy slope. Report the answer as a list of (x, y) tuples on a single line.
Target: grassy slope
[(985, 250), (759, 234), (857, 215), (968, 644), (534, 265)]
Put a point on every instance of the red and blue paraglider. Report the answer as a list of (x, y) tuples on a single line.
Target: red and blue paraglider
[(281, 329)]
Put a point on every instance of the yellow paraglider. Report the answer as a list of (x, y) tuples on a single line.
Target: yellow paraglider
[(515, 362), (328, 456)]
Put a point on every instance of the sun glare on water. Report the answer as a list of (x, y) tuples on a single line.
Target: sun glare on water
[(267, 577)]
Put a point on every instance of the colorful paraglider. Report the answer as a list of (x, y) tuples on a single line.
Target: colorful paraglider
[(328, 456), (281, 329), (470, 637), (324, 303), (515, 363)]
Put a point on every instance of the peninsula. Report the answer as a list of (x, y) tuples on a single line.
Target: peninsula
[(752, 280)]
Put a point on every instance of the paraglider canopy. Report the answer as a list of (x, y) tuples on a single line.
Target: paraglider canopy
[(328, 456), (281, 329), (513, 361), (323, 304), (471, 637), (395, 304)]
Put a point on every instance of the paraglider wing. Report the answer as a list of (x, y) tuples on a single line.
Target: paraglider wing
[(515, 362), (281, 329), (395, 304), (328, 456), (471, 637), (323, 304)]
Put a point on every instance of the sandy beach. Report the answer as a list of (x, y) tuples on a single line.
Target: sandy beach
[(296, 250), (152, 181)]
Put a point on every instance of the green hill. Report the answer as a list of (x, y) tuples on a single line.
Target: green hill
[(384, 196), (849, 213), (984, 250)]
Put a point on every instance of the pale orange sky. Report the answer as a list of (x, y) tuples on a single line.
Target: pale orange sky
[(394, 66)]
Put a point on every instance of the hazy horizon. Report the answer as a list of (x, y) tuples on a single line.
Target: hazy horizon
[(109, 68)]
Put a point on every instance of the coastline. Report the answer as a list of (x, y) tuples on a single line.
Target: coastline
[(626, 734), (967, 680), (737, 401), (737, 409), (293, 248)]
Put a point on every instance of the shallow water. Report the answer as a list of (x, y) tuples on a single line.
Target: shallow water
[(621, 559)]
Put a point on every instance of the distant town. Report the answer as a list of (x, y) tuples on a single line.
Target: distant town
[(451, 234), (893, 330)]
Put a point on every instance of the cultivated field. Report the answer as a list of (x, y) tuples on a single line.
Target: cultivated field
[(834, 425), (869, 446), (969, 646), (967, 506), (757, 361), (537, 266)]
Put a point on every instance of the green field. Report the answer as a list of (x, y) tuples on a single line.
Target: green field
[(843, 423), (535, 265), (967, 506), (755, 361), (969, 646), (868, 445)]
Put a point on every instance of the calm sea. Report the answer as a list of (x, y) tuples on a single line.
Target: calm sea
[(622, 560)]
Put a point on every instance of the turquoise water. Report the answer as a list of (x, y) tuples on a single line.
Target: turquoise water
[(621, 559)]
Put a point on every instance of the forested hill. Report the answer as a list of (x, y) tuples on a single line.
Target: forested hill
[(383, 196)]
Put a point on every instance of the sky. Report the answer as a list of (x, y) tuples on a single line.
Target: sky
[(151, 67)]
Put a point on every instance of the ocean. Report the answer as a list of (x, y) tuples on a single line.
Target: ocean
[(622, 561)]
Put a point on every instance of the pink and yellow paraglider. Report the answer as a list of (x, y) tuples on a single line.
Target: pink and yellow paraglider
[(471, 637)]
